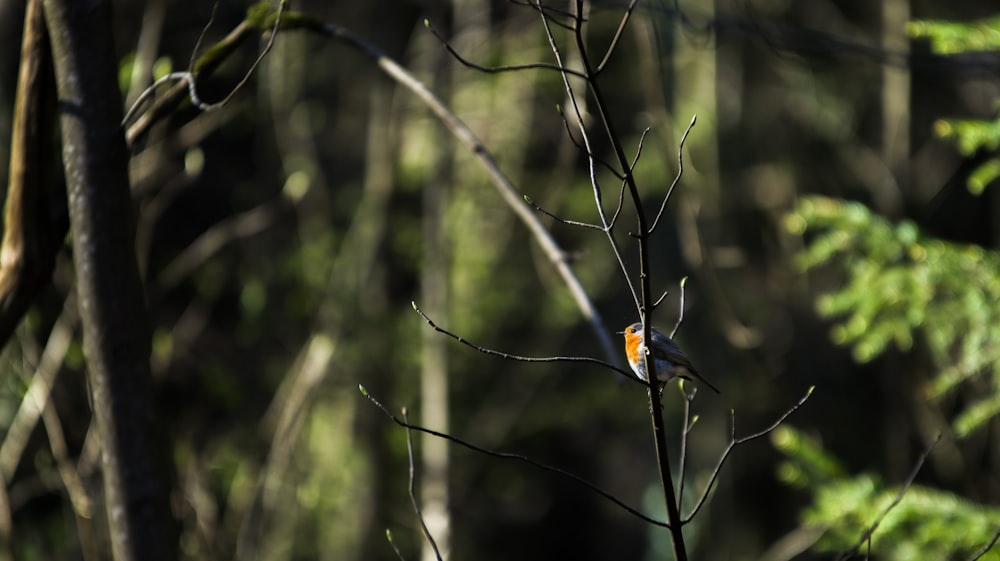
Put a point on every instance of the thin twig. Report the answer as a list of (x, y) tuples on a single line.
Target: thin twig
[(677, 178), (598, 197), (986, 548), (734, 442), (586, 149), (631, 168), (510, 456), (392, 544), (550, 11), (192, 88), (413, 496), (509, 356), (688, 425), (150, 90), (496, 69), (660, 300), (899, 497), (559, 219), (612, 47), (680, 314)]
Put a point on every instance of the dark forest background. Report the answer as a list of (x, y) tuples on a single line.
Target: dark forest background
[(825, 221)]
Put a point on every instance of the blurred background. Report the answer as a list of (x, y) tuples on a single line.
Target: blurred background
[(834, 220)]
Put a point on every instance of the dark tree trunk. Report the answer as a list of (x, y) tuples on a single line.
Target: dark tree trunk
[(112, 306)]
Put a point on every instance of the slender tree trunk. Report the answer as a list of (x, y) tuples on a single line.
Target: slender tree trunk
[(112, 307)]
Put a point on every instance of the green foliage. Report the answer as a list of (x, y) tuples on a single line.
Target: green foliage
[(950, 37), (971, 135), (899, 283), (925, 524)]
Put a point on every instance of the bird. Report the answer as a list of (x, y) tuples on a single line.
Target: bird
[(671, 362)]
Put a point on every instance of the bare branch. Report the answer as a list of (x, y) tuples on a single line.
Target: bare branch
[(586, 149), (734, 442), (680, 313), (631, 168), (509, 356), (899, 497), (192, 89), (618, 35), (677, 178), (551, 13), (660, 300), (598, 197), (496, 69), (531, 202), (518, 457), (413, 496), (986, 548), (688, 425), (392, 544)]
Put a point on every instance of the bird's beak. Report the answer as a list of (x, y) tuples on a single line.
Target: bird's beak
[(622, 332)]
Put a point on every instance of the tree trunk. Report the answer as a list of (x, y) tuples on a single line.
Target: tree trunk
[(112, 307)]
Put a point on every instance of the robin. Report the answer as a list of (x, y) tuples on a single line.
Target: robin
[(671, 362)]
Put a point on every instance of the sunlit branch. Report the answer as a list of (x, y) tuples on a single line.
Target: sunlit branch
[(677, 178), (660, 300), (392, 544), (899, 497), (680, 314), (734, 442), (413, 496), (612, 47), (151, 90), (559, 219), (509, 356), (510, 456)]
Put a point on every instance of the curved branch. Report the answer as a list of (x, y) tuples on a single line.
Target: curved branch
[(508, 356), (677, 178), (496, 69), (510, 456), (31, 239)]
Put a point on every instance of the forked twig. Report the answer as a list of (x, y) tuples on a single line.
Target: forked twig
[(510, 456), (734, 442), (866, 536)]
